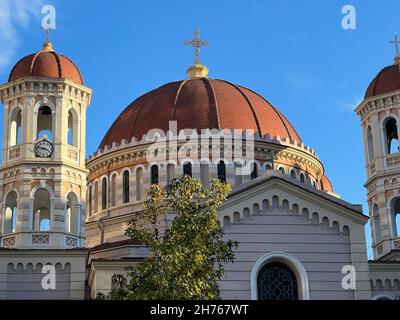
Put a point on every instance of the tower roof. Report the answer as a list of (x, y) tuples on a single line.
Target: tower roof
[(387, 80), (46, 63)]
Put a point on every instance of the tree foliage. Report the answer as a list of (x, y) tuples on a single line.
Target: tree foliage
[(187, 259)]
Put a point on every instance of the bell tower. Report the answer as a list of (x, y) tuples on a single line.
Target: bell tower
[(43, 174), (380, 115)]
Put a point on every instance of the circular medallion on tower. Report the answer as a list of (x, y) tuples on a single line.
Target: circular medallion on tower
[(46, 63)]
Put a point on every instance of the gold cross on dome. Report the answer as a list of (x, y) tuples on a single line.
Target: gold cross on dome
[(47, 30), (197, 43), (396, 44)]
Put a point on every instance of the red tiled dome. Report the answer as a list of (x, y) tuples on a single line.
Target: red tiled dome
[(387, 80), (199, 103), (326, 184), (46, 63)]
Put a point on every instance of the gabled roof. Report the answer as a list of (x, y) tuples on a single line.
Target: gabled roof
[(273, 175)]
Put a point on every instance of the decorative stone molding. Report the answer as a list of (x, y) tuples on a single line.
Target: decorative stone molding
[(377, 104), (71, 242), (54, 87), (40, 239), (9, 242), (266, 205), (129, 154)]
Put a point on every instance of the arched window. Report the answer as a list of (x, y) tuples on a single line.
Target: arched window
[(96, 196), (383, 296), (10, 219), (276, 281), (397, 223), (125, 186), (254, 171), (279, 276), (187, 169), (314, 184), (268, 166), (15, 127), (282, 170), (72, 214), (45, 123), (392, 140), (90, 200), (370, 144), (104, 193), (113, 187), (154, 174), (41, 210), (293, 174), (395, 216), (73, 126), (139, 184), (68, 218), (302, 178), (376, 222), (221, 171)]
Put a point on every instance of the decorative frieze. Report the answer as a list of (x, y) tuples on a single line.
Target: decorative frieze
[(40, 239), (71, 242), (9, 242)]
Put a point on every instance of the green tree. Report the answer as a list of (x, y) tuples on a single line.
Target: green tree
[(186, 260)]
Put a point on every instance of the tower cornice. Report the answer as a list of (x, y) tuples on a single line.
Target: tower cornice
[(33, 86), (380, 102)]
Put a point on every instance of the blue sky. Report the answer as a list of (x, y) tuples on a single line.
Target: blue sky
[(295, 54)]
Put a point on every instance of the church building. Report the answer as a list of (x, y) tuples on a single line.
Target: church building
[(297, 239)]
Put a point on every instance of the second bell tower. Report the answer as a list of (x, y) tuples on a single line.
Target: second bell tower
[(380, 119), (43, 174)]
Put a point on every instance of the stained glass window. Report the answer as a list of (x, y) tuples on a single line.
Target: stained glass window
[(276, 281)]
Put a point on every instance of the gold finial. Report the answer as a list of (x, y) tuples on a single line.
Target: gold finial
[(198, 70), (396, 44), (47, 46)]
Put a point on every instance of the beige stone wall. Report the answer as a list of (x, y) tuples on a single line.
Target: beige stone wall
[(385, 280), (101, 273), (21, 274)]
